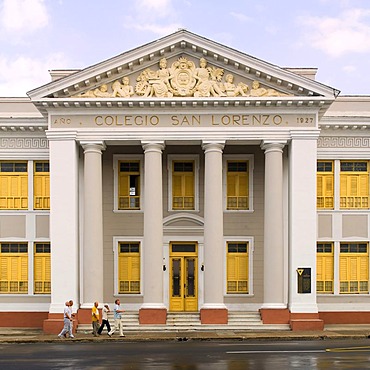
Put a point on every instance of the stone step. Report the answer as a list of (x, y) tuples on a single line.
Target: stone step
[(237, 321)]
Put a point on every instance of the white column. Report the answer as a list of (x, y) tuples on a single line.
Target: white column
[(92, 264), (273, 297), (213, 227), (64, 234), (153, 226), (302, 219)]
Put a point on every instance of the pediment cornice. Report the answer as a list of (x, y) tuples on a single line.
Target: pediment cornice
[(284, 88)]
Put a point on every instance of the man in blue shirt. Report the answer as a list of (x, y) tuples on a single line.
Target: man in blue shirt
[(117, 318)]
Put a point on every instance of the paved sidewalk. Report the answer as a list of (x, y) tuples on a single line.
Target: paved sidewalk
[(19, 335)]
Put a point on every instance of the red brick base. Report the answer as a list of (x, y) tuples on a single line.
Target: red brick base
[(22, 319), (345, 317), (306, 321), (152, 316), (275, 315), (54, 324), (214, 316)]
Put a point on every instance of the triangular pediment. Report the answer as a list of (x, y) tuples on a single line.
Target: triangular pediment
[(183, 66)]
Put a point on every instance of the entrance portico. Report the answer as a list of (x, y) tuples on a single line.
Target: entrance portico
[(184, 159)]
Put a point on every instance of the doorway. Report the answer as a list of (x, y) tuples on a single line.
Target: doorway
[(183, 277)]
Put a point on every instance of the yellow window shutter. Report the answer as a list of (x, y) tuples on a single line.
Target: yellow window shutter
[(353, 268), (189, 185), (177, 185), (14, 268), (319, 268), (123, 268), (135, 268), (353, 190), (343, 185), (124, 187), (328, 189), (5, 268), (364, 268), (364, 185), (243, 184), (24, 268), (37, 186), (231, 185), (231, 267), (329, 268), (319, 185), (243, 267), (38, 268), (343, 267)]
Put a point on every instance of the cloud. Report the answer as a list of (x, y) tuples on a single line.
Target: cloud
[(22, 74), (241, 17), (153, 16), (348, 33), (349, 69), (158, 28), (25, 16), (156, 8)]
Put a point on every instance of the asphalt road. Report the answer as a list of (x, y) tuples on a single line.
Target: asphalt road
[(189, 355)]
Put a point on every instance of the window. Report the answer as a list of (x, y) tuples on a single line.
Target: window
[(13, 268), (42, 268), (325, 268), (237, 185), (183, 195), (354, 268), (129, 185), (237, 267), (41, 185), (354, 184), (129, 268), (325, 185), (13, 185)]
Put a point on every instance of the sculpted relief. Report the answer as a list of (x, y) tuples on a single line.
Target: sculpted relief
[(183, 79)]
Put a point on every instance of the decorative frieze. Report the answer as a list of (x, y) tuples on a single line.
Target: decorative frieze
[(343, 142), (24, 143)]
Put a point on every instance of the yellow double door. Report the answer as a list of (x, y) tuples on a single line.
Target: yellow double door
[(183, 277)]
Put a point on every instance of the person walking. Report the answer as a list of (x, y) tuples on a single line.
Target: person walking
[(105, 320), (117, 318), (71, 321), (95, 319), (67, 321)]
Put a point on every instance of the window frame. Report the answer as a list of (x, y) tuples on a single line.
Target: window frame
[(238, 158), (342, 174), (171, 158), (250, 242), (116, 242), (44, 254), (34, 174), (326, 255), (117, 158), (29, 190), (357, 255), (29, 266), (326, 174)]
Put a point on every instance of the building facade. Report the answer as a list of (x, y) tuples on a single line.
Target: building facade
[(185, 176)]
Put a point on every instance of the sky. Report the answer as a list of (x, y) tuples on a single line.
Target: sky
[(41, 35)]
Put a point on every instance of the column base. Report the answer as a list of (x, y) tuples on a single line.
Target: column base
[(275, 315), (217, 316), (84, 315), (54, 324), (152, 316), (306, 321)]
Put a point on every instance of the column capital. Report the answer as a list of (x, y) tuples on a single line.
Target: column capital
[(273, 146), (153, 146), (213, 145), (93, 146)]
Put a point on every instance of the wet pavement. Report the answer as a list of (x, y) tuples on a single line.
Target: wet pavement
[(25, 335)]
